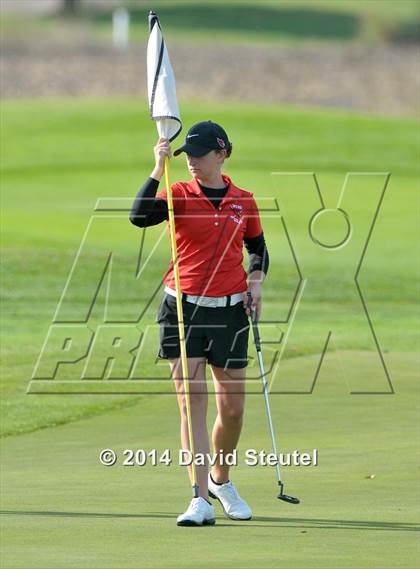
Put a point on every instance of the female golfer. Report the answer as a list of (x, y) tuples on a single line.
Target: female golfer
[(213, 220)]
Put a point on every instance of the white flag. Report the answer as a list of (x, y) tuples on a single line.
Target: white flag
[(161, 84)]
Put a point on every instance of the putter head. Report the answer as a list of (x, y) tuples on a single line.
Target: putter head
[(285, 497), (288, 499)]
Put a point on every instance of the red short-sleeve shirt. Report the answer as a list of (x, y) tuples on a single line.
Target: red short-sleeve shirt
[(209, 240)]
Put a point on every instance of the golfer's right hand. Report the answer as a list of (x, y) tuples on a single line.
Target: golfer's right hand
[(161, 150)]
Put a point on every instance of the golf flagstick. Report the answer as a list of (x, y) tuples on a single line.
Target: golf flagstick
[(180, 312), (164, 110), (257, 341)]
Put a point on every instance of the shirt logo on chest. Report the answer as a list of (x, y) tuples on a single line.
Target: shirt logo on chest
[(237, 212)]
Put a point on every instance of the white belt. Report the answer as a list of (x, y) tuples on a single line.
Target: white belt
[(209, 301)]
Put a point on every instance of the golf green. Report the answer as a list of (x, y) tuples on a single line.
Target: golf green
[(62, 508)]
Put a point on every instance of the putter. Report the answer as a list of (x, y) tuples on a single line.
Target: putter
[(257, 341)]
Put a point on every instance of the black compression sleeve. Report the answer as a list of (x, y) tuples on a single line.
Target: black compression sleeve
[(147, 209), (258, 253)]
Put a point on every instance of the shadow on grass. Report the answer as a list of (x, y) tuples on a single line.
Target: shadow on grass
[(317, 523), (300, 23), (306, 523)]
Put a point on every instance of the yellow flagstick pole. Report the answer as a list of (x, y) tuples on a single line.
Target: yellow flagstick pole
[(182, 342)]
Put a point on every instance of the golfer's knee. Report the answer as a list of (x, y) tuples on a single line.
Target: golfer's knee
[(232, 413)]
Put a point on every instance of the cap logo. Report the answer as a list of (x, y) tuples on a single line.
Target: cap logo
[(221, 142), (191, 135)]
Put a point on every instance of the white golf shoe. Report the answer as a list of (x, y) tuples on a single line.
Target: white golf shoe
[(234, 506), (199, 513)]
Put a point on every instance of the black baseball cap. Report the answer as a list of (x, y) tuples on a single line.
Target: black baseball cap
[(204, 137)]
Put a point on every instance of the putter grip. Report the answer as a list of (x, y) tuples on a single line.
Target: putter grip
[(256, 334), (254, 324)]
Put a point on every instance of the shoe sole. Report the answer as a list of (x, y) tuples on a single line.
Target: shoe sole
[(190, 523), (226, 514)]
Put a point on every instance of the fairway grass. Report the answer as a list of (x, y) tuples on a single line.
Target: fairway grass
[(60, 157), (359, 508)]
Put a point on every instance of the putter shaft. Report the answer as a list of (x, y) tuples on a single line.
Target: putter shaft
[(257, 340)]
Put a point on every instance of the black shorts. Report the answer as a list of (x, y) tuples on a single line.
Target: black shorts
[(218, 334)]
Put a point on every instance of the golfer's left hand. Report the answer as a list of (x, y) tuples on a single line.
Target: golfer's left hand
[(254, 288)]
